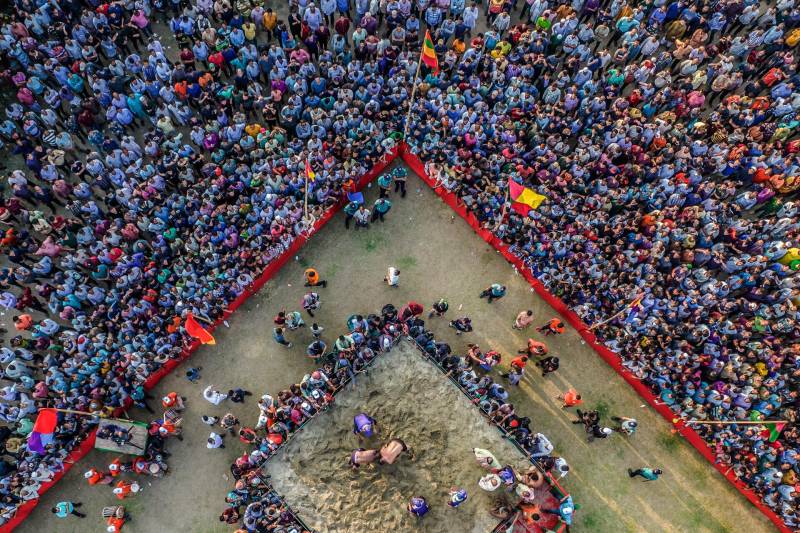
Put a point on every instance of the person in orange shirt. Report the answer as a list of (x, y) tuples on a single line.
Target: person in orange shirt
[(312, 279), (514, 375), (270, 20), (173, 401), (115, 468), (125, 489), (553, 327), (115, 518), (169, 429), (571, 398), (534, 348), (95, 477), (23, 322)]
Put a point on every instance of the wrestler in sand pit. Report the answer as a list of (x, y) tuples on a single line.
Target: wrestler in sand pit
[(392, 450)]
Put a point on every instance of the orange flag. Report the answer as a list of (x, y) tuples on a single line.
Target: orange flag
[(197, 331)]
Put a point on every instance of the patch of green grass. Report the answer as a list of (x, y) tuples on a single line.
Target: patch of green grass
[(669, 442), (302, 261), (406, 262), (602, 408), (373, 241), (698, 519), (331, 271), (589, 520)]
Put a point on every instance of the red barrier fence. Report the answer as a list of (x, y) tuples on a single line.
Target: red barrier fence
[(271, 269), (608, 356), (451, 200)]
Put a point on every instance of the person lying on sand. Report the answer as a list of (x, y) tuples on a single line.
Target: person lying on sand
[(362, 457), (392, 450)]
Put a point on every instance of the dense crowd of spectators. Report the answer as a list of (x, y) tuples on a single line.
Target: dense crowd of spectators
[(662, 135), (664, 138)]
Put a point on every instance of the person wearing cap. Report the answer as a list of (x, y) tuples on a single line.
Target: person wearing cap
[(96, 477), (649, 474), (599, 432), (125, 489), (626, 425), (380, 208), (418, 506), (457, 497), (115, 467), (173, 401), (364, 425)]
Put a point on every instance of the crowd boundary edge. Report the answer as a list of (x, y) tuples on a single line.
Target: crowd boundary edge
[(88, 443), (611, 358), (409, 158)]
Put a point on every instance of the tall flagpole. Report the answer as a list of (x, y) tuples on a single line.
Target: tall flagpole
[(305, 202), (618, 314), (411, 100)]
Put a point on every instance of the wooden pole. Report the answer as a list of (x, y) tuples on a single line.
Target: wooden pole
[(411, 100), (505, 203), (305, 202), (627, 306), (70, 411), (737, 422)]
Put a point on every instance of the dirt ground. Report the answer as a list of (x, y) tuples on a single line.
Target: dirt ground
[(438, 256), (411, 400)]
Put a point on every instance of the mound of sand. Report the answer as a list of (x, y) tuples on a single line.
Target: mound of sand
[(411, 400)]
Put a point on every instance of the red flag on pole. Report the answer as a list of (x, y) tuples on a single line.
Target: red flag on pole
[(197, 331)]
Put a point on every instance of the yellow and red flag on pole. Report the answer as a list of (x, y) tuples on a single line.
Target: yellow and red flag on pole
[(197, 331), (429, 54), (523, 198), (310, 173)]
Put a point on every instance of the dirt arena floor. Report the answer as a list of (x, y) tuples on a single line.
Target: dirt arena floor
[(438, 256), (412, 400)]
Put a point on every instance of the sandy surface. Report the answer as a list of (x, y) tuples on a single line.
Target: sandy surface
[(414, 401), (438, 255)]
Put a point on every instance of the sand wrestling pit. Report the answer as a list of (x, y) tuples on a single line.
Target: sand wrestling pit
[(411, 400)]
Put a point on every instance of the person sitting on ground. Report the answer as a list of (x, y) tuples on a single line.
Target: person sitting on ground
[(553, 327), (439, 308), (494, 292), (461, 325), (523, 320)]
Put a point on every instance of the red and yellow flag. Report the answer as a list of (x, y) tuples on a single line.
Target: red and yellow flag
[(429, 54), (197, 331), (310, 173)]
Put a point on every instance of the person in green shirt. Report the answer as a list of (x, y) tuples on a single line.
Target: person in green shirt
[(350, 210), (381, 207), (649, 474), (64, 509)]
